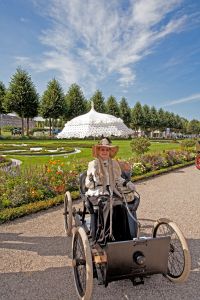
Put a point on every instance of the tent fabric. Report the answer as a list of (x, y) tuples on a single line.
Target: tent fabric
[(95, 124)]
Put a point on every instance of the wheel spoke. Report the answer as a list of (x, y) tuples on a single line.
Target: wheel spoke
[(80, 268), (82, 263), (68, 213), (176, 258)]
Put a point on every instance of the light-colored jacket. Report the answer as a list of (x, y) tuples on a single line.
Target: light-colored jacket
[(96, 186)]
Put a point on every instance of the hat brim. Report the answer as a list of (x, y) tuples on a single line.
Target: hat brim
[(112, 150)]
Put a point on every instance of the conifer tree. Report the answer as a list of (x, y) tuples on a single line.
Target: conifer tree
[(98, 101), (146, 119), (76, 102), (112, 107), (21, 96), (2, 97), (137, 116), (53, 102), (154, 120), (125, 111)]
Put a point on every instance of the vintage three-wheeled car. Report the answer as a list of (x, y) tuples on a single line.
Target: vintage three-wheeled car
[(112, 252)]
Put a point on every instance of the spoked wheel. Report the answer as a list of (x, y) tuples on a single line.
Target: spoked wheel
[(82, 264), (68, 213), (179, 260)]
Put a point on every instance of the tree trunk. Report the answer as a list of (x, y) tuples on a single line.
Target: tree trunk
[(22, 126), (50, 126), (27, 126), (53, 126)]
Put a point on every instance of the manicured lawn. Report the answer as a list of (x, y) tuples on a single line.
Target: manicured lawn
[(124, 150)]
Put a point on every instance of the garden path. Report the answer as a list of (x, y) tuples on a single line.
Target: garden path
[(35, 253)]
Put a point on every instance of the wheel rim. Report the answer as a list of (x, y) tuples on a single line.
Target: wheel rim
[(68, 214), (79, 261), (176, 258), (197, 162)]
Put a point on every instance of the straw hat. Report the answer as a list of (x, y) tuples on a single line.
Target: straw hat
[(105, 142)]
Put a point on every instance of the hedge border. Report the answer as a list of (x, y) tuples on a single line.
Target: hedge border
[(162, 171), (9, 214)]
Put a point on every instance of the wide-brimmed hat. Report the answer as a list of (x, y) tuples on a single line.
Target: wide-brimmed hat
[(105, 142)]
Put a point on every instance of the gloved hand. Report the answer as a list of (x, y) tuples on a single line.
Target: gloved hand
[(131, 186)]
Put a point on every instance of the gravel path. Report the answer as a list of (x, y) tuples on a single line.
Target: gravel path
[(35, 253)]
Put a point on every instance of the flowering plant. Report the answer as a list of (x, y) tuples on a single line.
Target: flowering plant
[(55, 174), (138, 169)]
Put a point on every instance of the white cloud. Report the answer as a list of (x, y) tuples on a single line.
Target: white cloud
[(183, 100), (149, 13), (90, 40)]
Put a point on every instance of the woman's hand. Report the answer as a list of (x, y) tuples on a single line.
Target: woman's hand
[(131, 186)]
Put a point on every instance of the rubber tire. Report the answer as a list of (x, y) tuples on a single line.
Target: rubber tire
[(79, 231), (68, 213), (197, 161), (186, 253)]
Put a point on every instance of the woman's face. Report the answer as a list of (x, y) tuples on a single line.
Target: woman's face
[(104, 153)]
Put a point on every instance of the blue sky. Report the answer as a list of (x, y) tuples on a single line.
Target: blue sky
[(143, 50)]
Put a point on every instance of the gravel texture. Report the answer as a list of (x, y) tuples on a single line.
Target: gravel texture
[(35, 253)]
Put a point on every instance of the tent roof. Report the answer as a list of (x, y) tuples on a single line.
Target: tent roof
[(94, 124)]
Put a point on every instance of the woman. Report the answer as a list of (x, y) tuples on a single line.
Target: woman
[(105, 177)]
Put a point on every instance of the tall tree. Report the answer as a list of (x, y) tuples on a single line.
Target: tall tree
[(178, 123), (125, 111), (112, 107), (162, 122), (21, 96), (168, 120), (173, 121), (146, 119), (2, 97), (137, 116), (184, 125), (53, 102), (98, 101), (194, 127), (76, 102), (154, 118)]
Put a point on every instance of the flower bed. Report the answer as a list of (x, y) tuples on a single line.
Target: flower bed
[(152, 162), (5, 162), (19, 188), (31, 184)]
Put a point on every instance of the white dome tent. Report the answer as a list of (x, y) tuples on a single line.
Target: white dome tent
[(94, 124)]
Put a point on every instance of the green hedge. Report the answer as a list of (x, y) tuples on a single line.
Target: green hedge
[(8, 214)]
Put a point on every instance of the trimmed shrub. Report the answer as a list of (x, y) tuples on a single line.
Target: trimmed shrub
[(140, 145)]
